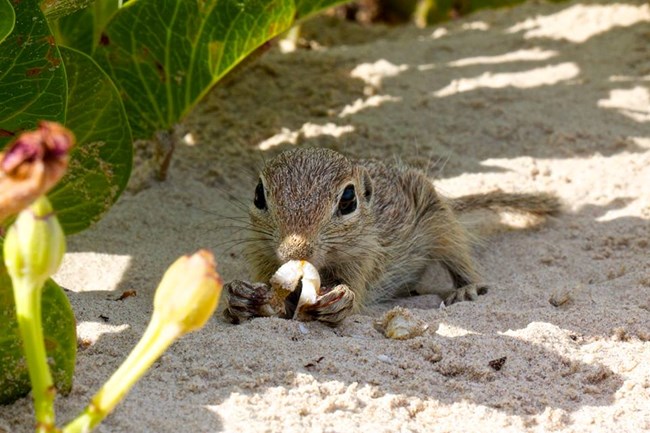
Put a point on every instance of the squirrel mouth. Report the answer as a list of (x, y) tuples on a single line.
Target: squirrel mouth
[(291, 301)]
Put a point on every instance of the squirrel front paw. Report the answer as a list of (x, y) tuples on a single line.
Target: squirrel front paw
[(245, 300), (331, 307)]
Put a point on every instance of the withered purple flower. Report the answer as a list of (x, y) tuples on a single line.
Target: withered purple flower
[(32, 165)]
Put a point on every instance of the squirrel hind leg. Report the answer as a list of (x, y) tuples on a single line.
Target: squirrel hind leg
[(464, 290), (455, 255), (452, 250)]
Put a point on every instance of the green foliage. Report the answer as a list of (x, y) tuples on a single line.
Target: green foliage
[(82, 29), (31, 74), (101, 161), (7, 19), (54, 9), (162, 70), (60, 341), (79, 95), (307, 8)]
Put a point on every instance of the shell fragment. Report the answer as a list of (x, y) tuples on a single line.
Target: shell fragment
[(401, 324)]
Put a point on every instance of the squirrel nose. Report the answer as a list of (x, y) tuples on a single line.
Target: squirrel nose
[(294, 247)]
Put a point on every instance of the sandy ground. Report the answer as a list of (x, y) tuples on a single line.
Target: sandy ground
[(537, 98)]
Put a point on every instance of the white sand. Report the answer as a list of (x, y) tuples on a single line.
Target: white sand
[(537, 98)]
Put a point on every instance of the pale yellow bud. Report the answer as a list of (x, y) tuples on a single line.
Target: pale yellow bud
[(35, 243), (184, 301), (188, 292)]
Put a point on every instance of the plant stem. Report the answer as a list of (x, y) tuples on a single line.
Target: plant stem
[(421, 13), (156, 339), (28, 310)]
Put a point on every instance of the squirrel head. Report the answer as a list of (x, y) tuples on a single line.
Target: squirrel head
[(309, 204)]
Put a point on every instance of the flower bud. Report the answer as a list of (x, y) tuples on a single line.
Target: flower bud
[(188, 292), (35, 243)]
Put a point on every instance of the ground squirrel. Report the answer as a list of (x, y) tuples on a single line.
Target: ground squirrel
[(372, 230)]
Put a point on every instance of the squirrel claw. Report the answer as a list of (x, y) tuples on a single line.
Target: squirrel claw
[(330, 308), (466, 293), (246, 300)]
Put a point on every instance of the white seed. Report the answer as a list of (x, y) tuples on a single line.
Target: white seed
[(310, 285), (287, 275), (286, 279)]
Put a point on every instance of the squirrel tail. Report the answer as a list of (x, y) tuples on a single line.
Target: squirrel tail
[(540, 204), (492, 212)]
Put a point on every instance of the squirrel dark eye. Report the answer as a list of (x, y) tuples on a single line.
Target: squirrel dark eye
[(259, 201), (348, 202)]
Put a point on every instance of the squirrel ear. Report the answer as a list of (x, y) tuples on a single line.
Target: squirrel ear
[(366, 184)]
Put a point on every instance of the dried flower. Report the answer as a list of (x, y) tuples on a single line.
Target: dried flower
[(32, 165)]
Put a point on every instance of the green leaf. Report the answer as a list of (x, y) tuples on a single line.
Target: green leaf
[(60, 332), (101, 161), (307, 8), (54, 9), (75, 30), (82, 29), (164, 55), (7, 19), (32, 79)]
